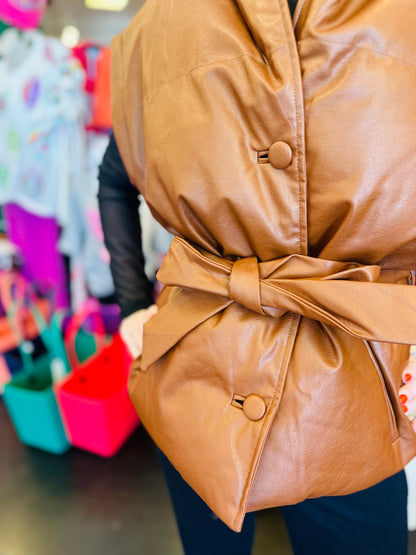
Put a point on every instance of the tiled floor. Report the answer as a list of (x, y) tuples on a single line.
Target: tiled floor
[(80, 504)]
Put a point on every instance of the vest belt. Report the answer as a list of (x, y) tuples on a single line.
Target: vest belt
[(347, 295)]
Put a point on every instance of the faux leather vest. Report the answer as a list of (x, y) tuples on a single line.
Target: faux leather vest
[(281, 153)]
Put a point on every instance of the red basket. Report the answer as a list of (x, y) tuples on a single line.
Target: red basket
[(96, 410)]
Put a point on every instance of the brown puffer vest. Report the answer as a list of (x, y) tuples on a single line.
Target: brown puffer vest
[(282, 155)]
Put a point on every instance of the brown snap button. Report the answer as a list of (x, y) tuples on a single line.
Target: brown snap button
[(254, 407), (280, 155)]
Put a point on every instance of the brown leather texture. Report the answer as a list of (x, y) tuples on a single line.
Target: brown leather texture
[(281, 154)]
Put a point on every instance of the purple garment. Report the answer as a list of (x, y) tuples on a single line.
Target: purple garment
[(37, 239)]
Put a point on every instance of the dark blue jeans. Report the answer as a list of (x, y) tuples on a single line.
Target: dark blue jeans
[(370, 522)]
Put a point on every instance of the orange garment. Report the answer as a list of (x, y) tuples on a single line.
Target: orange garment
[(101, 107)]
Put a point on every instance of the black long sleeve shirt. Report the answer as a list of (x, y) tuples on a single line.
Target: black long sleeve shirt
[(119, 208)]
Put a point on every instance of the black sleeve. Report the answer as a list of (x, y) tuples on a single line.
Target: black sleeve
[(292, 6), (119, 208)]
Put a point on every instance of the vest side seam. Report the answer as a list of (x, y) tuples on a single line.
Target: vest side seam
[(259, 60)]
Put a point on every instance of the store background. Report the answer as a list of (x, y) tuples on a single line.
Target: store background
[(96, 25), (78, 502)]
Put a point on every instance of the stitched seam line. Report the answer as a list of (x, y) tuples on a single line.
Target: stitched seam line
[(216, 61), (291, 40), (267, 422), (278, 98)]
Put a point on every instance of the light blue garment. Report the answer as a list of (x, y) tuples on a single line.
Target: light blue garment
[(82, 238), (42, 112)]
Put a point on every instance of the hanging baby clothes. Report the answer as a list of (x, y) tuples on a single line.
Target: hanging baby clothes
[(101, 106), (87, 53), (42, 111), (24, 14), (37, 240), (96, 62), (82, 239)]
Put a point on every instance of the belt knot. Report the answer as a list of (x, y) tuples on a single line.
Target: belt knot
[(244, 284), (347, 295)]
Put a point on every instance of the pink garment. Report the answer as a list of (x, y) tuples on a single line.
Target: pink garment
[(25, 14)]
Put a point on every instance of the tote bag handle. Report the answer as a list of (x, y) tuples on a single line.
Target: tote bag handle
[(90, 310), (17, 315)]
